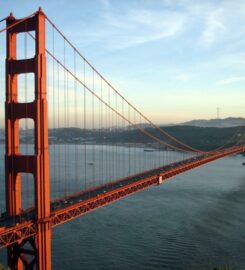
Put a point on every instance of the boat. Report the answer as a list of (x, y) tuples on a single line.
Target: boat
[(243, 163), (148, 150), (90, 163)]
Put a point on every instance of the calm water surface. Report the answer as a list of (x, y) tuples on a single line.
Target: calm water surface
[(194, 221)]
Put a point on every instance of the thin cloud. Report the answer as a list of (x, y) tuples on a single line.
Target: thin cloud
[(142, 26), (214, 27), (231, 80), (134, 27)]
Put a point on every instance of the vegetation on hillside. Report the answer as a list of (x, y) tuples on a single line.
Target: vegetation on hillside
[(197, 137), (3, 267)]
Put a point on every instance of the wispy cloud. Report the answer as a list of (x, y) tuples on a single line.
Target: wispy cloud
[(214, 27), (231, 80), (133, 27), (143, 26), (119, 25)]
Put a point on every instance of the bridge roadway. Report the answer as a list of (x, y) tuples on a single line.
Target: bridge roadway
[(14, 229)]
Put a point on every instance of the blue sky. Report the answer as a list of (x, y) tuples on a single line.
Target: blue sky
[(174, 60)]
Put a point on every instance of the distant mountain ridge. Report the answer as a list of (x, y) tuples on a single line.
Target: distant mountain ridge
[(219, 123)]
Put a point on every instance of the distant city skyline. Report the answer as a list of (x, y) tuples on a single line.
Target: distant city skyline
[(174, 60)]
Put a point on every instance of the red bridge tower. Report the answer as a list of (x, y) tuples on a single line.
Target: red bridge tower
[(36, 250)]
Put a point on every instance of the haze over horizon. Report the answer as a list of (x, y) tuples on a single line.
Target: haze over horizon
[(174, 60)]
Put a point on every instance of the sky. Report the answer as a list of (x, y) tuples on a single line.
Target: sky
[(174, 60)]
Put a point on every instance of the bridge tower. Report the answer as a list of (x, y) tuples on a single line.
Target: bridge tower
[(33, 252)]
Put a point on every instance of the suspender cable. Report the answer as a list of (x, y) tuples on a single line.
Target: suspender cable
[(84, 127), (93, 135), (107, 105), (108, 169), (123, 129), (65, 123), (89, 89), (76, 125), (129, 136), (58, 129), (114, 89), (69, 183), (101, 129), (54, 118)]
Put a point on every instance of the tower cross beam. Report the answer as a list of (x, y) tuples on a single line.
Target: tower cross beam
[(15, 161)]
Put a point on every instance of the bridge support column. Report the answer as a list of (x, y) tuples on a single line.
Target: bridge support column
[(34, 251)]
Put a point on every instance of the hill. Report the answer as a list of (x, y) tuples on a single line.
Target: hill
[(204, 138), (198, 137), (219, 123)]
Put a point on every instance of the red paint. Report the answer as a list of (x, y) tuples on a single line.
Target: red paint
[(38, 235)]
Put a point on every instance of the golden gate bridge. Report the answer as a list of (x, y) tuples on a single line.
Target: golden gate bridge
[(61, 117)]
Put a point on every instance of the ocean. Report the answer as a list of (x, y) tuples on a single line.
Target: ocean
[(193, 221)]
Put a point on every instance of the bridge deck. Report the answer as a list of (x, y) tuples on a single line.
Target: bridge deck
[(65, 209)]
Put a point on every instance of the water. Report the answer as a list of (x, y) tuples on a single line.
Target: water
[(78, 167), (193, 221)]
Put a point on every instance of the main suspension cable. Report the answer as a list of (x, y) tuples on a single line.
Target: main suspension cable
[(114, 89)]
